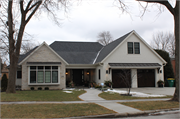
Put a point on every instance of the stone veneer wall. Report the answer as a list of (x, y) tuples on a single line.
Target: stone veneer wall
[(43, 54)]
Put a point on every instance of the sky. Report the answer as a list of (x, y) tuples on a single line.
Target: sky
[(84, 21)]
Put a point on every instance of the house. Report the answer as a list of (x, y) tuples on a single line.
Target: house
[(55, 65), (4, 70)]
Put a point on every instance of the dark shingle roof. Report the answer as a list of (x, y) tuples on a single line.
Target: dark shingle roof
[(23, 56), (134, 64), (81, 52), (77, 52), (110, 47)]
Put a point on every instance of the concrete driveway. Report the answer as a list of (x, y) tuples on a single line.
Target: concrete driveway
[(153, 90)]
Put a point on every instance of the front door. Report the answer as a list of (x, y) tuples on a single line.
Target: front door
[(78, 75)]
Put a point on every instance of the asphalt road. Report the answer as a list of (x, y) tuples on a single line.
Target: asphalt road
[(164, 116)]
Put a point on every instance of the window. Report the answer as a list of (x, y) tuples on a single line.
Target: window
[(136, 48), (99, 74), (43, 74), (130, 47), (19, 74), (133, 48)]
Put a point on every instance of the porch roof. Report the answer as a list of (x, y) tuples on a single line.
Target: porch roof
[(134, 64)]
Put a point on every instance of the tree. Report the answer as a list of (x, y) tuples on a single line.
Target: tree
[(104, 38), (164, 41), (10, 10), (174, 10), (127, 78), (168, 70), (4, 82)]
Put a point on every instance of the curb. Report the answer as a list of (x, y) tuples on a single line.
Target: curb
[(116, 115)]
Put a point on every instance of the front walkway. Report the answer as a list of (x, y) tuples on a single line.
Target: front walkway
[(92, 95)]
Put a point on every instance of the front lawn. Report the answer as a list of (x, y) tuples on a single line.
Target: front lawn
[(117, 96), (51, 110), (152, 105), (43, 95)]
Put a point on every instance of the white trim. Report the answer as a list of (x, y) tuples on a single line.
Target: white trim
[(44, 43), (97, 55)]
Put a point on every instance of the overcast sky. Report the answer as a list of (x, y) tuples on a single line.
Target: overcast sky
[(84, 21)]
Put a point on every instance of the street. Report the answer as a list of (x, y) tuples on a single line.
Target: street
[(164, 116)]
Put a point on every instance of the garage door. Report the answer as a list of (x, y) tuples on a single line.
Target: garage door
[(146, 77), (119, 76)]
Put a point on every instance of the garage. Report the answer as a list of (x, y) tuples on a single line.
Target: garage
[(121, 78), (146, 77)]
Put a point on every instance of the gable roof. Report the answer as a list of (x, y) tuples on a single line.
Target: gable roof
[(77, 52), (85, 52), (31, 52), (110, 47)]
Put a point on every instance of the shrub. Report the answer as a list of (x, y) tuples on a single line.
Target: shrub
[(71, 84), (46, 88), (32, 88), (108, 83), (39, 88), (4, 82)]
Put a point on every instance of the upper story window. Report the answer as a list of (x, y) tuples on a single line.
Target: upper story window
[(133, 48), (136, 48), (130, 47)]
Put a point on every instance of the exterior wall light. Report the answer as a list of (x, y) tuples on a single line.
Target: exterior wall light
[(87, 72)]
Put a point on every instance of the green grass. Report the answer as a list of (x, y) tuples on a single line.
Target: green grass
[(117, 96), (152, 105), (51, 110), (50, 95)]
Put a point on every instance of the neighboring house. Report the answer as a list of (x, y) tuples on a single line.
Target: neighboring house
[(57, 64), (5, 70), (173, 64)]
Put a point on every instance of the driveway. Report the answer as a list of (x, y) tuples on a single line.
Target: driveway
[(153, 90)]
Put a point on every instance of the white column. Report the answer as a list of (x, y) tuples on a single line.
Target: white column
[(134, 78)]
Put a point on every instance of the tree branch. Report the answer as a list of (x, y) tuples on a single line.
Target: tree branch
[(165, 3), (33, 12), (21, 7), (27, 7)]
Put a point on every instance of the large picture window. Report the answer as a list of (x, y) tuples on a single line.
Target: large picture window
[(43, 74)]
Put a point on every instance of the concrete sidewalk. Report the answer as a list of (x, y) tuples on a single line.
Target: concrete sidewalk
[(92, 95)]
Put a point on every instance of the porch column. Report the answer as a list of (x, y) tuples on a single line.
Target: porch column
[(134, 78)]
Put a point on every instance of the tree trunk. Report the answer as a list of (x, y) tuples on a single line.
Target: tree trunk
[(12, 74), (176, 31)]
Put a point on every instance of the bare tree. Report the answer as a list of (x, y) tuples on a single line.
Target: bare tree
[(104, 37), (14, 16), (164, 41), (127, 78), (173, 7)]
